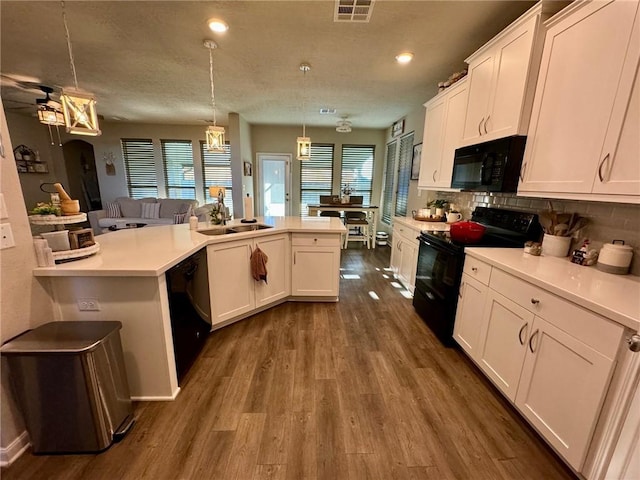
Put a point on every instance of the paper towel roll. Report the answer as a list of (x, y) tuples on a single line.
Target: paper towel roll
[(248, 208)]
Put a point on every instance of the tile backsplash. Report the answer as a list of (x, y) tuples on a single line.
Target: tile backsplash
[(607, 221)]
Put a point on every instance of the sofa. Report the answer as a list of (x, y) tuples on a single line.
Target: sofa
[(149, 211)]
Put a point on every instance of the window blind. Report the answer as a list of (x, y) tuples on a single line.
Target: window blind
[(357, 170), (404, 174), (316, 176), (387, 188), (177, 158), (216, 170), (140, 167)]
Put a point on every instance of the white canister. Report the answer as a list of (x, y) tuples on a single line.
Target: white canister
[(615, 257), (555, 245)]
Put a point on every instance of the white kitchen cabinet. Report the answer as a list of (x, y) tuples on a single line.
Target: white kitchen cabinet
[(443, 126), (466, 330), (232, 288), (230, 282), (278, 284), (562, 388), (315, 269), (584, 133), (505, 328), (404, 255), (502, 75), (550, 357)]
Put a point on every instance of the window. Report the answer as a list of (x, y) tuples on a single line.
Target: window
[(387, 188), (140, 167), (177, 158), (316, 176), (404, 174), (216, 170), (357, 170)]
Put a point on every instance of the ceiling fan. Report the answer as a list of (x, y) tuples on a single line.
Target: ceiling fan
[(344, 125)]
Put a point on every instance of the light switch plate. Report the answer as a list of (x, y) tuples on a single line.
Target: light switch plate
[(3, 207), (88, 305), (6, 236)]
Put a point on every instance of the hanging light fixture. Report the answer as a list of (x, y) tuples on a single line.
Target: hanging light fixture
[(304, 142), (214, 133), (78, 108)]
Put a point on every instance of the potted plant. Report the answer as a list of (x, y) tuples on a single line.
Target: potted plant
[(346, 193), (43, 208), (439, 205)]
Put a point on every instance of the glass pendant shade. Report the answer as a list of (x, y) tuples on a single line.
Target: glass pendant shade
[(80, 116), (50, 116), (215, 139), (304, 148)]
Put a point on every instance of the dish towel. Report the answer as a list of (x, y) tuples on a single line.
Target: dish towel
[(259, 265)]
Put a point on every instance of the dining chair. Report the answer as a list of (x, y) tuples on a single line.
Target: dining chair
[(358, 228)]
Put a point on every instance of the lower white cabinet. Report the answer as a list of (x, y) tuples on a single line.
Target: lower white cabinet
[(404, 255), (550, 357), (315, 265), (232, 289), (466, 330)]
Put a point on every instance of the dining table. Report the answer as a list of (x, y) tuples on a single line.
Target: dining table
[(371, 212)]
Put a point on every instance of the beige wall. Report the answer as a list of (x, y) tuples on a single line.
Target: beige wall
[(24, 302), (282, 139)]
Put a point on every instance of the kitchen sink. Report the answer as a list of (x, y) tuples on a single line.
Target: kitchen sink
[(235, 229)]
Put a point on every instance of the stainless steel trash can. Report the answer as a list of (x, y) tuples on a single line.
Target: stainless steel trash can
[(71, 385)]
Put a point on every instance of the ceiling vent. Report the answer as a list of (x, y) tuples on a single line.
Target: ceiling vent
[(356, 11), (327, 111), (344, 126)]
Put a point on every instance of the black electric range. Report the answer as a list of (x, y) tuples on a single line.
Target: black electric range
[(440, 262)]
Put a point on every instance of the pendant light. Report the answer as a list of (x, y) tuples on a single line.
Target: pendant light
[(214, 133), (78, 108), (304, 142)]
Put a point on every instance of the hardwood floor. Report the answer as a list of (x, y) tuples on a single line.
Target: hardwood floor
[(359, 389)]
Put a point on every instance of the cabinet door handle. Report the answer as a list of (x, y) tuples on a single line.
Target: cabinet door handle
[(606, 157), (531, 341), (520, 333), (460, 290), (522, 170), (434, 175), (535, 301), (294, 257), (474, 269), (480, 126), (399, 246), (485, 123)]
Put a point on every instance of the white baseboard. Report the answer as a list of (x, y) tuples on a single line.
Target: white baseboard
[(16, 448), (143, 398)]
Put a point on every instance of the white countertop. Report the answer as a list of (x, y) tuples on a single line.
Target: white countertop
[(151, 251), (616, 297), (418, 225)]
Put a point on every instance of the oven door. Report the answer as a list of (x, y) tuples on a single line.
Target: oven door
[(437, 282)]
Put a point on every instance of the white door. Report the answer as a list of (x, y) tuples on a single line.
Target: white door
[(278, 250), (274, 184), (468, 325)]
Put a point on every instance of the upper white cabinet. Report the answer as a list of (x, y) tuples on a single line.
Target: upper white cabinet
[(584, 136), (502, 77), (443, 126)]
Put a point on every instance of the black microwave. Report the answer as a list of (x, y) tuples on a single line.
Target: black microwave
[(492, 166)]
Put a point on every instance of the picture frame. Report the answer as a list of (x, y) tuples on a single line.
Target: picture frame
[(415, 161), (397, 128), (247, 169)]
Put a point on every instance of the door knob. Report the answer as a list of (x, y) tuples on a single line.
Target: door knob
[(634, 342)]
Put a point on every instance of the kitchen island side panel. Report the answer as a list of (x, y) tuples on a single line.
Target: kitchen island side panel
[(142, 305)]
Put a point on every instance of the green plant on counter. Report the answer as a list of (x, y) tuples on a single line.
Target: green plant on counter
[(42, 208), (217, 214), (438, 203)]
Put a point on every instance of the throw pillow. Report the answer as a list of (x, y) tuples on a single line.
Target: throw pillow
[(113, 210), (180, 218), (150, 210)]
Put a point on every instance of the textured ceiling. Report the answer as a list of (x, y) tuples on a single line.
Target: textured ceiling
[(145, 61)]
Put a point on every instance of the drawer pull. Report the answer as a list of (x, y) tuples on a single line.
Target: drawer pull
[(520, 333), (600, 176), (479, 126), (535, 301), (315, 239), (474, 269), (485, 123), (531, 341)]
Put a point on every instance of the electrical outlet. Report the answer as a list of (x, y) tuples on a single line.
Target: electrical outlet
[(88, 305), (6, 236)]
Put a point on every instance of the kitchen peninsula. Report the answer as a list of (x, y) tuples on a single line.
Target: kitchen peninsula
[(126, 282)]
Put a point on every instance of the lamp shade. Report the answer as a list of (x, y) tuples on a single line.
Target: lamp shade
[(215, 139), (217, 191), (79, 110), (50, 116), (304, 148)]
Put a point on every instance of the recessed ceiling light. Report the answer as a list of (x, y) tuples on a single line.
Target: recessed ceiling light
[(217, 25), (405, 57)]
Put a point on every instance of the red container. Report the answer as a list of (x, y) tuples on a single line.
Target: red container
[(467, 232)]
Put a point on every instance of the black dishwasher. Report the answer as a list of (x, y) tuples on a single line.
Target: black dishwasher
[(190, 309)]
